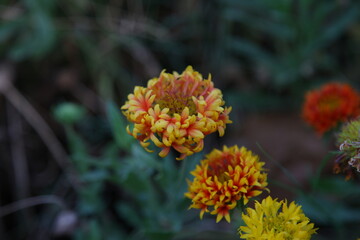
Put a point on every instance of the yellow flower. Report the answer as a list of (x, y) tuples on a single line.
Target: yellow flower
[(224, 178), (176, 111), (266, 221)]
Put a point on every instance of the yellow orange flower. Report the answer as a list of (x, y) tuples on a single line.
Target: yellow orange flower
[(176, 111), (333, 103), (225, 177), (267, 221)]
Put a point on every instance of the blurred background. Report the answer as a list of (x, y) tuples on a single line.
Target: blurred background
[(68, 170)]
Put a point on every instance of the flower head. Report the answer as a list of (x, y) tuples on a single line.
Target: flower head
[(224, 178), (348, 141), (333, 103), (176, 111), (267, 221)]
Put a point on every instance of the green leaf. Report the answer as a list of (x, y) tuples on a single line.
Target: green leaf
[(97, 175), (138, 161), (78, 149), (37, 38), (263, 24), (118, 126), (338, 186), (112, 229), (111, 153), (341, 23), (90, 201), (136, 183), (143, 160), (252, 50), (318, 210), (127, 211), (259, 101), (94, 230), (324, 210), (7, 29)]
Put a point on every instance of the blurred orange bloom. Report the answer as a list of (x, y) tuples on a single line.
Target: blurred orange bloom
[(224, 178), (176, 111), (333, 103)]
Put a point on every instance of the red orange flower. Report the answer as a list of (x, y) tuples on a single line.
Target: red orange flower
[(224, 178), (176, 111), (333, 103)]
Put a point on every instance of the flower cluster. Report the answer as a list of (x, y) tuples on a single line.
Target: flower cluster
[(333, 103), (266, 221), (176, 111), (224, 178), (348, 141)]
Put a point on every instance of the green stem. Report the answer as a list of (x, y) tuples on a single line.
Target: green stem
[(241, 205), (181, 178), (317, 176), (281, 167)]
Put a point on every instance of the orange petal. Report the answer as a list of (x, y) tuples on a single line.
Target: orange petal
[(164, 152)]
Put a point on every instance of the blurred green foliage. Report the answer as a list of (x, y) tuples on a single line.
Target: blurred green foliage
[(333, 204), (149, 191), (276, 44), (329, 201), (299, 33)]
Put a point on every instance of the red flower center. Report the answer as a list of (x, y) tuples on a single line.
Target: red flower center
[(219, 167), (176, 102), (329, 103)]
